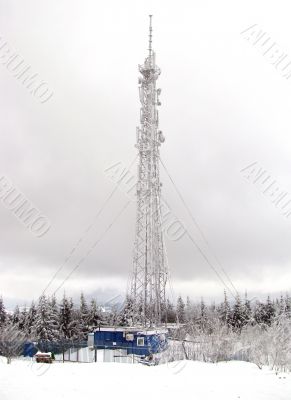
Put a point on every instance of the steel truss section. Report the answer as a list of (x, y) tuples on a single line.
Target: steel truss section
[(149, 278)]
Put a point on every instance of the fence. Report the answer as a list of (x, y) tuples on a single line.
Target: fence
[(208, 350), (91, 354)]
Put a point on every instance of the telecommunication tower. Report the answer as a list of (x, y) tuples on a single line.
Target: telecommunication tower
[(149, 278)]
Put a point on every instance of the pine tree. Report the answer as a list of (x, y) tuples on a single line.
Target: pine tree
[(188, 310), (66, 320), (113, 318), (237, 317), (259, 313), (282, 306), (83, 316), (224, 311), (247, 311), (2, 313), (22, 320), (181, 310), (126, 314), (54, 317), (268, 312), (171, 315), (288, 305), (203, 319), (30, 319), (75, 323), (46, 327), (94, 316), (16, 316)]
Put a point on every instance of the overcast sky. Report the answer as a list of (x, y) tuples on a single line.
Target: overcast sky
[(224, 106)]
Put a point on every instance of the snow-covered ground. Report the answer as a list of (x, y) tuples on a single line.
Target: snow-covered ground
[(179, 380)]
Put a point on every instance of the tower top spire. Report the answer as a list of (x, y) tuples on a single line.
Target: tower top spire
[(150, 35)]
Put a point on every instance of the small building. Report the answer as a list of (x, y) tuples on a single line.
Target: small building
[(46, 358), (138, 341)]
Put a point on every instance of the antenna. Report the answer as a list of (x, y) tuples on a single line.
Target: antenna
[(150, 36), (147, 289)]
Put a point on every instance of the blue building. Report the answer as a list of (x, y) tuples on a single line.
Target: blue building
[(138, 341), (29, 349)]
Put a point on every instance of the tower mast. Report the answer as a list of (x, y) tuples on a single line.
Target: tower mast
[(149, 278)]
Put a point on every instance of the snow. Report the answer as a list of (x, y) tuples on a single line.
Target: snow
[(181, 379)]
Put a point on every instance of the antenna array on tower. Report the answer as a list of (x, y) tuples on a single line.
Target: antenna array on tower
[(148, 284)]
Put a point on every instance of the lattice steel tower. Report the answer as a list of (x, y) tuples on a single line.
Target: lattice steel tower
[(148, 283)]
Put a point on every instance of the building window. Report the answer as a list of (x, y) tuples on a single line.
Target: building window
[(140, 341), (129, 337)]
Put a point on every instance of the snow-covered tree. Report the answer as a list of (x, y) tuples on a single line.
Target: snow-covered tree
[(126, 314), (203, 317), (259, 313), (22, 320), (113, 317), (171, 315), (81, 317), (237, 317), (30, 319), (180, 310), (95, 316), (188, 310), (11, 341), (279, 343), (67, 322), (246, 311), (224, 311), (46, 327), (269, 312), (2, 313), (282, 306), (264, 313), (16, 316), (288, 305)]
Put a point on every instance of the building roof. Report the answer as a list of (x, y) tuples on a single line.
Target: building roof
[(132, 329)]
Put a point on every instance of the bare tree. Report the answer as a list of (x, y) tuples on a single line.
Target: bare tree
[(11, 342)]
